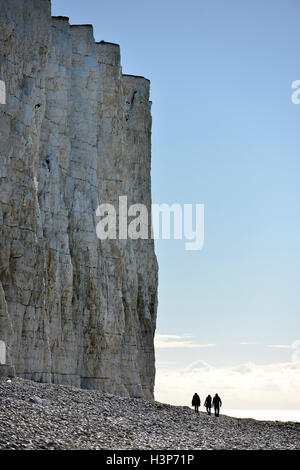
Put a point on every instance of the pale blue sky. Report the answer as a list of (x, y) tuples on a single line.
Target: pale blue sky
[(225, 134)]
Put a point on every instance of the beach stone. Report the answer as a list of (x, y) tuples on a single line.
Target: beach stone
[(39, 401)]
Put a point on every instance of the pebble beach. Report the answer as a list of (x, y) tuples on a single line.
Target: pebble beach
[(40, 416)]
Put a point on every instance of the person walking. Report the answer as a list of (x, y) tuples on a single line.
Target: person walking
[(196, 402), (217, 403), (207, 404)]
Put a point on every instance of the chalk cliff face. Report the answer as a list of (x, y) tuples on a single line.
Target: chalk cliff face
[(74, 133)]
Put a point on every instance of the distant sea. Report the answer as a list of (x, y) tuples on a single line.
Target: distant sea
[(265, 415)]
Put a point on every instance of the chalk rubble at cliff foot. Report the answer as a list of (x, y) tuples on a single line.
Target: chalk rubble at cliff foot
[(74, 133)]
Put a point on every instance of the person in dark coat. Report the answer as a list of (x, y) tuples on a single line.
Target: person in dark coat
[(196, 402), (207, 404), (217, 403)]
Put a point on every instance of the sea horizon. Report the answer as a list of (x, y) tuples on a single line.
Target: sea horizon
[(264, 415)]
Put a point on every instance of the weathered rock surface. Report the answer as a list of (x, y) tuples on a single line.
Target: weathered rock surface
[(74, 133)]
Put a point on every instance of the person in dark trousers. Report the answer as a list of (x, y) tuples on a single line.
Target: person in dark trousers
[(196, 402), (217, 403), (207, 404)]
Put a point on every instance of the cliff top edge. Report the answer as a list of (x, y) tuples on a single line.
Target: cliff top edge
[(135, 76), (66, 18), (81, 26), (107, 42)]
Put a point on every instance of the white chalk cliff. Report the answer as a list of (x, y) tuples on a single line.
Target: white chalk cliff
[(74, 133)]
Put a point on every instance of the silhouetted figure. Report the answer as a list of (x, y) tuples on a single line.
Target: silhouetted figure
[(196, 402), (207, 404), (217, 403)]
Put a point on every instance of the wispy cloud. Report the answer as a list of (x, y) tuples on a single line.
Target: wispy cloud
[(281, 346), (171, 336), (247, 342), (175, 341)]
